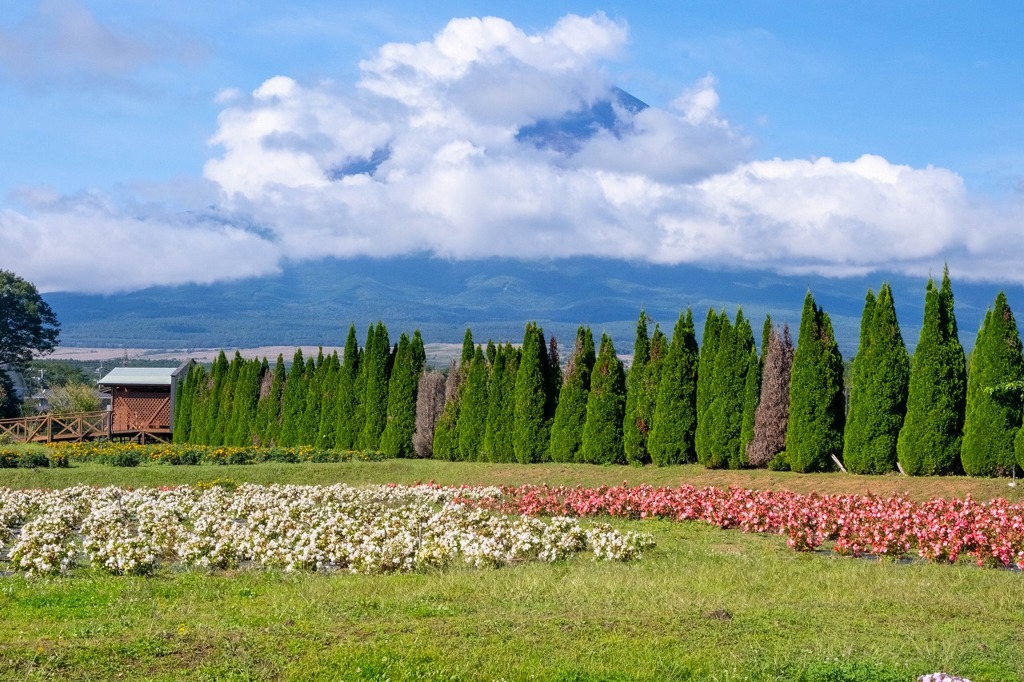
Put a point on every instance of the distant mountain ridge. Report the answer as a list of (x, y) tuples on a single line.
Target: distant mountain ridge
[(313, 303)]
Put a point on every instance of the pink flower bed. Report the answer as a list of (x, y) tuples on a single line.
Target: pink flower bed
[(990, 533)]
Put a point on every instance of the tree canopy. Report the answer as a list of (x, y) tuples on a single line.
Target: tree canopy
[(28, 327)]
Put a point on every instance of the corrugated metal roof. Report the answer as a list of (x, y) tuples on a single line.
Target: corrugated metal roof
[(138, 376)]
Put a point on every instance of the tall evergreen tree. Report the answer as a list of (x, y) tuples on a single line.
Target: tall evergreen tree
[(242, 428), (705, 380), (637, 424), (878, 397), (346, 430), (675, 415), (330, 382), (184, 404), (771, 419), (294, 401), (929, 442), (751, 396), (270, 404), (467, 349), (201, 396), (401, 420), (571, 413), (473, 412), (375, 391), (498, 445), (725, 411), (606, 408), (991, 421), (816, 413), (534, 407)]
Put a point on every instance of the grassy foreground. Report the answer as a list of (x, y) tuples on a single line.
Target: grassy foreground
[(706, 604)]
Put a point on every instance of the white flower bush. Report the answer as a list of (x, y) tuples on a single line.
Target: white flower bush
[(372, 529)]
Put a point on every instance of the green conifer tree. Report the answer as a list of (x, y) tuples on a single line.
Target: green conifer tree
[(636, 424), (531, 432), (675, 415), (375, 395), (992, 420), (751, 395), (330, 382), (246, 398), (929, 442), (473, 411), (571, 413), (816, 410), (501, 408), (878, 396), (270, 405), (294, 401), (606, 409), (705, 380), (184, 403), (401, 421), (346, 429), (725, 411)]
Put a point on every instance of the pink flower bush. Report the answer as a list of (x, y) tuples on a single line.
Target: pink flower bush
[(939, 530)]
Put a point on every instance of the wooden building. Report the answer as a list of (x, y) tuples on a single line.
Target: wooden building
[(142, 401)]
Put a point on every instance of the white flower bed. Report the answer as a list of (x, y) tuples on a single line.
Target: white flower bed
[(373, 529)]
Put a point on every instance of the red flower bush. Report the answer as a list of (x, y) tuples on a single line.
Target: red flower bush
[(938, 530)]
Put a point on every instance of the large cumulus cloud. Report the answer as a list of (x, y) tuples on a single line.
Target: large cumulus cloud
[(424, 154)]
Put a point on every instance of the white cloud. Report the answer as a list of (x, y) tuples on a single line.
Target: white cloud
[(422, 155)]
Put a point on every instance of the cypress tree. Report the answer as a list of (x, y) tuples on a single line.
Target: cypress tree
[(532, 419), (316, 389), (473, 411), (878, 397), (185, 401), (816, 414), (375, 391), (705, 380), (401, 420), (675, 415), (636, 425), (294, 401), (606, 408), (270, 404), (467, 349), (446, 435), (330, 383), (771, 419), (243, 411), (571, 413), (751, 396), (345, 429), (201, 396), (929, 442), (725, 411), (218, 376), (429, 405), (498, 445), (991, 421)]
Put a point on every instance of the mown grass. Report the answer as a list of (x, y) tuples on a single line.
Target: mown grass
[(706, 604), (476, 473)]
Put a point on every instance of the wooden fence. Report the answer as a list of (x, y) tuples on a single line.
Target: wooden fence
[(50, 428)]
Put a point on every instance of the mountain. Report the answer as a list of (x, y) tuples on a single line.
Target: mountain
[(314, 302)]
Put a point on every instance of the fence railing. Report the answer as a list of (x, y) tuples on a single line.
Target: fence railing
[(49, 428)]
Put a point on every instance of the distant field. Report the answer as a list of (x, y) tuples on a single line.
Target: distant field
[(705, 604)]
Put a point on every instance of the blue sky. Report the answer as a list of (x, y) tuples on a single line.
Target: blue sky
[(205, 137)]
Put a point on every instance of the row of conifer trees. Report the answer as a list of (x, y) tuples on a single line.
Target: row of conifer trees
[(722, 404)]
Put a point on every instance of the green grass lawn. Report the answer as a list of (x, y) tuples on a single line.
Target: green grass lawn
[(705, 604)]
